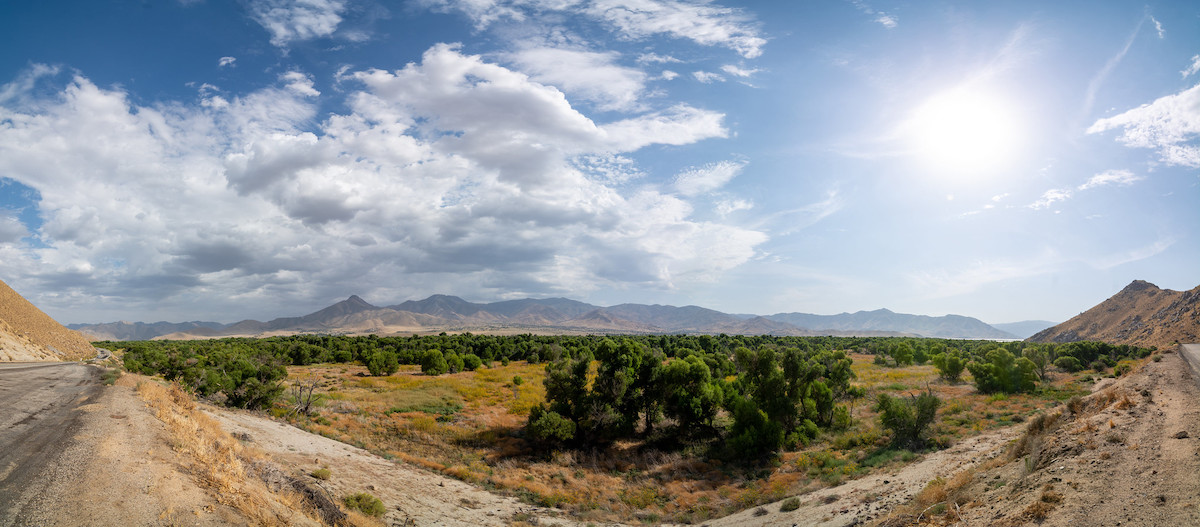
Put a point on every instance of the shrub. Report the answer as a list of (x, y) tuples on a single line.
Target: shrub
[(1099, 366), (383, 363), (322, 474), (907, 419), (549, 426), (471, 362), (789, 505), (1068, 363), (950, 365), (517, 380), (434, 363), (1002, 372), (366, 504)]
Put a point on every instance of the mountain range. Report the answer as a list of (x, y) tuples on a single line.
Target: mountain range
[(554, 315), (1141, 314)]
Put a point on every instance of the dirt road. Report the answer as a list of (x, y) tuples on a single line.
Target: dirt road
[(39, 415)]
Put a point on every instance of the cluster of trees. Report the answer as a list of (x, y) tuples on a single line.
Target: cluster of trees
[(779, 396), (232, 372)]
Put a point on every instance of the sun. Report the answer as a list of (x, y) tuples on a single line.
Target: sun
[(964, 130)]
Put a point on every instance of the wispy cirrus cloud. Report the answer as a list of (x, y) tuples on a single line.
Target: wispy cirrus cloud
[(1051, 197), (1133, 255), (1169, 124), (1191, 70), (1122, 178)]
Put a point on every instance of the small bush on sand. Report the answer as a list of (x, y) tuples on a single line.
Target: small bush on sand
[(322, 474), (789, 505), (365, 503)]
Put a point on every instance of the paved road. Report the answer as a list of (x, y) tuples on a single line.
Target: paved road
[(1191, 353), (38, 418)]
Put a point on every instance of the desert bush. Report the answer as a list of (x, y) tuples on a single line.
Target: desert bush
[(950, 365), (908, 419), (471, 362), (110, 376), (383, 363), (434, 363), (549, 426), (1068, 363), (1002, 372), (789, 505), (322, 474), (365, 503)]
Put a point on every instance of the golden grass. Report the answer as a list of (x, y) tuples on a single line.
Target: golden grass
[(222, 463), (477, 439)]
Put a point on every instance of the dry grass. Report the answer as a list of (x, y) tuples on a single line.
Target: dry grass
[(467, 425), (223, 464)]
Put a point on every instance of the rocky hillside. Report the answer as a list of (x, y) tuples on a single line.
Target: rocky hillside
[(26, 333), (1140, 315)]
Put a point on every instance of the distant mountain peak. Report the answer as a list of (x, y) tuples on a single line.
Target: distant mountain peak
[(1139, 285)]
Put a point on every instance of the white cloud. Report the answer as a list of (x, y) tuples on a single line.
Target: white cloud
[(707, 77), (700, 21), (226, 62), (450, 171), (299, 83), (726, 207), (1191, 70), (1122, 178), (700, 180), (669, 75), (1051, 197), (655, 58), (291, 20), (11, 228), (593, 76), (738, 72), (998, 197), (1158, 27), (1170, 124), (884, 19)]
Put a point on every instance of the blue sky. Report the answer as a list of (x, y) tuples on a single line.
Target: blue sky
[(219, 160)]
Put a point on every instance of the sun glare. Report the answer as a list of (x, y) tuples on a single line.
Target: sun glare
[(965, 131)]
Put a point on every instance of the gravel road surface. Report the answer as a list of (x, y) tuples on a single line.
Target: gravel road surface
[(39, 415)]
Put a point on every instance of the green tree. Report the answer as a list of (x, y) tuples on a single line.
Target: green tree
[(383, 363), (548, 426), (950, 365), (907, 419), (691, 396), (1003, 373), (434, 363)]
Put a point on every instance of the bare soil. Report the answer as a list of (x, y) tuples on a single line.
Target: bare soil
[(412, 496)]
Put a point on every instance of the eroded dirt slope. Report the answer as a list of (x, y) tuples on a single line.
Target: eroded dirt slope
[(1141, 314), (28, 334)]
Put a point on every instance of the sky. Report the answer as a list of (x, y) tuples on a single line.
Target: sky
[(222, 160)]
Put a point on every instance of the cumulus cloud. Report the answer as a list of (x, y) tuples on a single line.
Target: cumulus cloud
[(668, 75), (1170, 125), (655, 58), (699, 180), (11, 228), (1122, 178), (708, 77), (590, 75), (451, 171), (226, 62), (292, 20)]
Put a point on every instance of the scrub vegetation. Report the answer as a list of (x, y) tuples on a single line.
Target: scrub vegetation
[(647, 428)]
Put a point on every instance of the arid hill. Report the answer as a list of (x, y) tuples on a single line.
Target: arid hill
[(28, 334), (1141, 315), (554, 316)]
